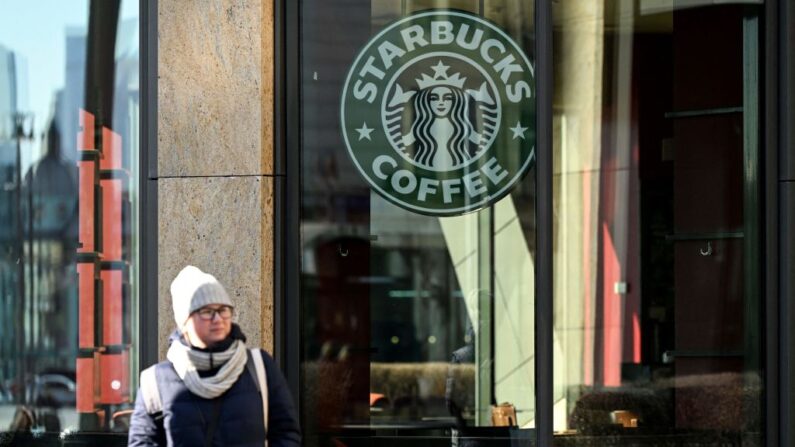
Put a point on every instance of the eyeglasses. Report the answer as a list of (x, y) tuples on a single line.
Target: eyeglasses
[(208, 313)]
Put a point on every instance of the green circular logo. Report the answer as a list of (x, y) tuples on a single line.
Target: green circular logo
[(438, 113)]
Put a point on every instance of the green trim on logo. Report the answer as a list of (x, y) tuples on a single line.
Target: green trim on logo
[(438, 113)]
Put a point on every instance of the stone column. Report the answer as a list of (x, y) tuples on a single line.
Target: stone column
[(215, 154)]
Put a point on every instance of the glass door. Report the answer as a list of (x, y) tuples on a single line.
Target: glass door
[(657, 331), (417, 221)]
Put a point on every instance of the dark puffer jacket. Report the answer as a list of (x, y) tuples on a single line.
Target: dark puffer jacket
[(186, 417)]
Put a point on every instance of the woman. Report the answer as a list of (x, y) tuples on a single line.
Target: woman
[(206, 393)]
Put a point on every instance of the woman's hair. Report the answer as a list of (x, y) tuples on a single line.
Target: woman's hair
[(425, 145)]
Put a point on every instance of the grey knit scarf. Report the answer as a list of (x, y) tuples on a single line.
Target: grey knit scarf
[(188, 362)]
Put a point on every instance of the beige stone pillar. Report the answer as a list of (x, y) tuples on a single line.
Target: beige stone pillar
[(215, 154)]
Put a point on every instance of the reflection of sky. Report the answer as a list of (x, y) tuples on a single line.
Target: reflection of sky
[(36, 31)]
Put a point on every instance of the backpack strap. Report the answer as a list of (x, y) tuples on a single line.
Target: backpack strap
[(150, 391), (255, 357), (252, 370)]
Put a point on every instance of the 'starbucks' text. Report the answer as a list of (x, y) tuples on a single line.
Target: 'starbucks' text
[(442, 32)]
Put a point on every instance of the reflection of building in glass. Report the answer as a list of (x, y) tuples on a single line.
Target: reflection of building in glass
[(126, 94), (8, 107), (40, 305), (73, 92), (49, 201), (106, 140), (9, 228), (8, 103), (37, 242)]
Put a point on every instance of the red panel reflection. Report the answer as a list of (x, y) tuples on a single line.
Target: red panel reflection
[(103, 366)]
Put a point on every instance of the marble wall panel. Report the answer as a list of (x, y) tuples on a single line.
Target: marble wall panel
[(224, 226), (215, 97)]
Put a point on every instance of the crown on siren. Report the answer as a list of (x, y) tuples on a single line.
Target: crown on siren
[(440, 77)]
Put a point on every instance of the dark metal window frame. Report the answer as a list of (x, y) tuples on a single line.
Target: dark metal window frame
[(778, 111), (777, 202), (287, 189), (147, 181)]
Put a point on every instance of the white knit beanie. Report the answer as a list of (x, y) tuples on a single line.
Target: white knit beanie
[(193, 289)]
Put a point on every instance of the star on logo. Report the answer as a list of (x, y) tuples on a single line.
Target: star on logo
[(440, 70), (518, 131), (364, 132)]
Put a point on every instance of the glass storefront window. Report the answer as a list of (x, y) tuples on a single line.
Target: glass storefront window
[(69, 146), (656, 286), (416, 324)]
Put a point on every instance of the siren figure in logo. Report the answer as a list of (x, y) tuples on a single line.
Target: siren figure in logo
[(441, 128), (441, 136)]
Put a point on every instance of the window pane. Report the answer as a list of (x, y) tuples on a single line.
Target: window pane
[(412, 323), (69, 119), (657, 301)]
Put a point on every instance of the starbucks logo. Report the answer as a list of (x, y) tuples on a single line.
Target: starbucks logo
[(438, 113)]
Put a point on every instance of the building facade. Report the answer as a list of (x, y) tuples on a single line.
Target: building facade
[(453, 222)]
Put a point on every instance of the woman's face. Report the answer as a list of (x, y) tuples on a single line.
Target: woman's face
[(441, 101), (202, 332)]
